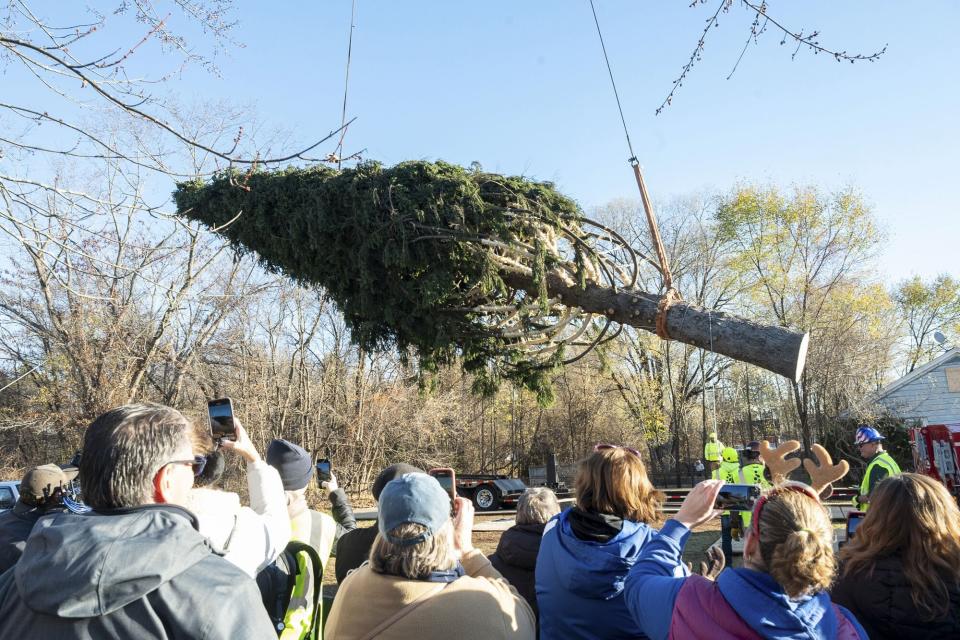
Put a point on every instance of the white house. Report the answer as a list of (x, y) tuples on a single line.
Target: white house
[(930, 394)]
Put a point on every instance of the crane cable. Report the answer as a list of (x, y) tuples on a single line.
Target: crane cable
[(671, 295), (346, 84)]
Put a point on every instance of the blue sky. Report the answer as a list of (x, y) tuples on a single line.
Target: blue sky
[(520, 86)]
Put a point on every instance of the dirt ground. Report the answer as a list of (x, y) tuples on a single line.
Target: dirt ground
[(487, 541)]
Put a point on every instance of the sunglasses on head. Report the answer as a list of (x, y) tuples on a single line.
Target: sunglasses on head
[(795, 487), (604, 447)]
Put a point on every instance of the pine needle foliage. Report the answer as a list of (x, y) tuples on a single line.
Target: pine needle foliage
[(408, 253)]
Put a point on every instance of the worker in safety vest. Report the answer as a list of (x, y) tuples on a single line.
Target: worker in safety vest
[(711, 453), (729, 472), (881, 464), (753, 474), (753, 468)]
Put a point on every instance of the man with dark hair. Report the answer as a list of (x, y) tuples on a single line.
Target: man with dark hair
[(136, 566), (353, 548), (40, 493)]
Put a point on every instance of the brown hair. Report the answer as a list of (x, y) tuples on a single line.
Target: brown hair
[(415, 561), (796, 542), (913, 517), (615, 481)]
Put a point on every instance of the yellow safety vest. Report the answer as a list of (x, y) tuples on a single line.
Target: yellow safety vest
[(883, 460), (753, 474), (712, 450)]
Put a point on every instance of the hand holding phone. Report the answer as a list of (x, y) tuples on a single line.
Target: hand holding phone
[(222, 425), (447, 479), (737, 497), (854, 520), (241, 443), (698, 507)]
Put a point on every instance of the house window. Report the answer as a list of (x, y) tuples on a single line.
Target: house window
[(953, 379)]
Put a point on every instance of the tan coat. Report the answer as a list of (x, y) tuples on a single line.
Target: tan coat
[(479, 606)]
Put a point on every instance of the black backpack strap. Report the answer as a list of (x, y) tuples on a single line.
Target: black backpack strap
[(275, 583)]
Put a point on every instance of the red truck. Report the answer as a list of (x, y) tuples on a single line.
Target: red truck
[(936, 453)]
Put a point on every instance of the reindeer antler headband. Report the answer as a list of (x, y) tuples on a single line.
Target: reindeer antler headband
[(823, 473)]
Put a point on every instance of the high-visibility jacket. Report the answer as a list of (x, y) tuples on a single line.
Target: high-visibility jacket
[(753, 474), (712, 450), (880, 467), (730, 473)]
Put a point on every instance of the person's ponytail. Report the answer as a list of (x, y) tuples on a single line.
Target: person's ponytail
[(796, 543)]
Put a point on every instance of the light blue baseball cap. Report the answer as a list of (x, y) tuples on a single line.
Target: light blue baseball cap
[(413, 498)]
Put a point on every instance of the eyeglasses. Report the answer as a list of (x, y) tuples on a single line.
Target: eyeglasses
[(604, 447), (198, 463), (797, 487)]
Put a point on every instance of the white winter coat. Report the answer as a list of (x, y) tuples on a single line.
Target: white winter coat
[(249, 537)]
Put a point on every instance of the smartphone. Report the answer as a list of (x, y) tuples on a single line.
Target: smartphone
[(737, 497), (448, 480), (222, 426), (854, 518), (323, 470)]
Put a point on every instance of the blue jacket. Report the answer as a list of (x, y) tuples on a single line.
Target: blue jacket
[(579, 583), (653, 596)]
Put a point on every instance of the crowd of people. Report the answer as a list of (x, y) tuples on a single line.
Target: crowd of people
[(159, 551)]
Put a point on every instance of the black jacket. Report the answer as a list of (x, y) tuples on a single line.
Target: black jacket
[(15, 527), (134, 573), (882, 604), (353, 549), (516, 559), (342, 511)]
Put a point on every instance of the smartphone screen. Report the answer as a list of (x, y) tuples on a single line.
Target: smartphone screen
[(447, 479), (737, 497), (323, 470), (853, 522), (221, 419)]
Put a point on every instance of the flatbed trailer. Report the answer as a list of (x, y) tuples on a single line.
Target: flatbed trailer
[(490, 492)]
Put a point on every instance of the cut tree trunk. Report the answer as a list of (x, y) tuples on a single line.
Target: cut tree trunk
[(776, 349)]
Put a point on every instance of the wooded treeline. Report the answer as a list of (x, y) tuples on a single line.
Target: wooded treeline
[(134, 310)]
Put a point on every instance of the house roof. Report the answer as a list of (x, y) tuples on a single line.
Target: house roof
[(918, 373)]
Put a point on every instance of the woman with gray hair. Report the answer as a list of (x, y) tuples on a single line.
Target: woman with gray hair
[(516, 555), (425, 579)]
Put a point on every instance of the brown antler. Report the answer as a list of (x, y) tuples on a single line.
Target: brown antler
[(824, 474), (776, 460)]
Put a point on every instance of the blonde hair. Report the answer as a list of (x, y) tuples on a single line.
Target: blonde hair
[(415, 561), (913, 517), (796, 542), (615, 481), (537, 505)]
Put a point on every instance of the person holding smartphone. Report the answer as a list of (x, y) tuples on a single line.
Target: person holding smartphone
[(780, 592), (425, 578), (251, 537), (297, 469), (900, 573)]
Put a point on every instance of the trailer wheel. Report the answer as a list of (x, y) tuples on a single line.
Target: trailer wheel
[(486, 498)]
